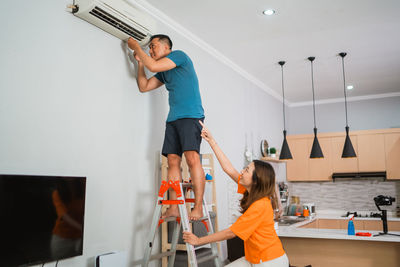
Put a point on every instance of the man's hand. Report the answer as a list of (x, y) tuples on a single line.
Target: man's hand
[(136, 57), (190, 238), (133, 44)]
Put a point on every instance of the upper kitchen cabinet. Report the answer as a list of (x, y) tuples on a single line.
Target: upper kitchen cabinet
[(376, 150), (321, 169), (371, 152), (392, 150), (297, 168), (340, 164)]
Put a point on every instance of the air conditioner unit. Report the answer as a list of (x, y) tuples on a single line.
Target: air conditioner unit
[(116, 17)]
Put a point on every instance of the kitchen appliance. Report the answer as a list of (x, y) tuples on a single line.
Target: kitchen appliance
[(310, 207), (358, 175), (284, 195), (384, 201)]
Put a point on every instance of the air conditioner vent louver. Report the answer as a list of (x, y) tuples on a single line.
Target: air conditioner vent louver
[(118, 24)]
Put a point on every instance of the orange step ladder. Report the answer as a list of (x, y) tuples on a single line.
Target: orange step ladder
[(182, 220)]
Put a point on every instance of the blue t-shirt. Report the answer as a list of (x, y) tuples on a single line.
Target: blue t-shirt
[(183, 87)]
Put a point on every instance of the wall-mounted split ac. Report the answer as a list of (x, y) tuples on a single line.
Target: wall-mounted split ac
[(116, 17)]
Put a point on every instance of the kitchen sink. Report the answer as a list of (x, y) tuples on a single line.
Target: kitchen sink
[(289, 220)]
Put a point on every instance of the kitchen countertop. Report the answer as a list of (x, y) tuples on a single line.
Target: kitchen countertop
[(294, 230)]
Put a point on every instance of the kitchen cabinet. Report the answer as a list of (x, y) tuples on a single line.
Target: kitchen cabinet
[(312, 224), (376, 150), (359, 224), (329, 245), (328, 224), (371, 152), (297, 169), (302, 168), (392, 150), (321, 169), (378, 225), (393, 226), (340, 164), (343, 253), (373, 225)]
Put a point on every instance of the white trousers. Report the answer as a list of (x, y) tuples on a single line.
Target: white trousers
[(282, 261)]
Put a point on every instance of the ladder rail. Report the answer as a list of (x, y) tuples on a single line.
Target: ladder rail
[(152, 234), (214, 248), (183, 222), (174, 242), (186, 227)]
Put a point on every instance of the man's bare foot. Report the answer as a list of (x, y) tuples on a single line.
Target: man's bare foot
[(196, 214), (170, 212)]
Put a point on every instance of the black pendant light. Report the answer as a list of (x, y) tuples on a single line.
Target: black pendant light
[(316, 151), (285, 151), (348, 150)]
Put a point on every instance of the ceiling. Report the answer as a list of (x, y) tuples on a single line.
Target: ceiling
[(368, 30)]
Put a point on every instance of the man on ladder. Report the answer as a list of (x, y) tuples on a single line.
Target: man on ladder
[(182, 134)]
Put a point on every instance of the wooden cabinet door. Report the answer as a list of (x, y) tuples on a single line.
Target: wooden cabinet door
[(392, 150), (340, 164), (312, 224), (373, 225), (321, 169), (371, 152), (297, 168), (393, 226), (328, 224)]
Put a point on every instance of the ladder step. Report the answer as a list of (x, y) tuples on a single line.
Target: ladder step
[(206, 258), (169, 219), (172, 219), (161, 255), (199, 220), (203, 246)]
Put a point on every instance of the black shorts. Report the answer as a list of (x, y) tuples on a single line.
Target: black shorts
[(182, 135)]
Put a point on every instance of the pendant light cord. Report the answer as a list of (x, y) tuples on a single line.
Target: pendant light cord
[(344, 90), (283, 95), (313, 97)]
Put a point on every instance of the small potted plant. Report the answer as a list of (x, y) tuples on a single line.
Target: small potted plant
[(272, 152)]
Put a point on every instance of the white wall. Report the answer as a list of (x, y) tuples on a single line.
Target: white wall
[(69, 105), (378, 113)]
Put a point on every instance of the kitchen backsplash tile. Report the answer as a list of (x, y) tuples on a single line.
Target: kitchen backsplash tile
[(350, 195)]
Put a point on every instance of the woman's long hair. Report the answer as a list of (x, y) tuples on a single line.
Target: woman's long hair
[(263, 185)]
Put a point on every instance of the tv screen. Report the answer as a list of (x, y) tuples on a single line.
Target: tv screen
[(41, 218)]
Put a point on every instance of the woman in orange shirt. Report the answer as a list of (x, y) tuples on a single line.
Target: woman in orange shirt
[(256, 224)]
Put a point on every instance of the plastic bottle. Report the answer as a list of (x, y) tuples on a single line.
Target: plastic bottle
[(350, 227)]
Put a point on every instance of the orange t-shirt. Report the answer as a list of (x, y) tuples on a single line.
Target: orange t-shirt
[(256, 228)]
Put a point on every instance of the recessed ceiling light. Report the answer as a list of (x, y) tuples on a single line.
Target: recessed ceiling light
[(350, 87), (269, 12)]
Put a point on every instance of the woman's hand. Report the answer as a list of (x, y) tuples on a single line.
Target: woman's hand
[(205, 133), (278, 213), (190, 238)]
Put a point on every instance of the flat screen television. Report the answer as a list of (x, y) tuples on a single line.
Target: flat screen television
[(41, 218)]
